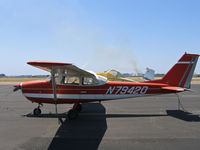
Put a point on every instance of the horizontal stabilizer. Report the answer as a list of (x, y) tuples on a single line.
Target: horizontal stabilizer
[(173, 88)]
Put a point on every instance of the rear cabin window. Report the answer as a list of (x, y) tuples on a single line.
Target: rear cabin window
[(89, 81)]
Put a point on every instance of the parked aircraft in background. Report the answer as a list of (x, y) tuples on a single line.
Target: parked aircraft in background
[(72, 85), (149, 74), (114, 75)]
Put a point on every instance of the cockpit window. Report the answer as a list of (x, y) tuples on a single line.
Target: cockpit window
[(71, 80)]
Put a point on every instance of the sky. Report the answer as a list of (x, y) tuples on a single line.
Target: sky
[(97, 35)]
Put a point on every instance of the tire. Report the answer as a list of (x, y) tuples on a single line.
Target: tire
[(72, 114), (79, 108), (37, 111)]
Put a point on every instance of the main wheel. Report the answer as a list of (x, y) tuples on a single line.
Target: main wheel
[(37, 111), (72, 114), (79, 107)]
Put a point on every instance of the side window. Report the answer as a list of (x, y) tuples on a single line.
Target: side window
[(88, 81), (58, 78), (72, 80)]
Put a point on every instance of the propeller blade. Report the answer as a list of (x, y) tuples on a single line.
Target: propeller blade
[(17, 88)]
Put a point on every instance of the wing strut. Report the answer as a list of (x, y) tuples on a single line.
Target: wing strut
[(54, 88)]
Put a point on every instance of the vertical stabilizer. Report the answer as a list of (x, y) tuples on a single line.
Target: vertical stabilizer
[(181, 73)]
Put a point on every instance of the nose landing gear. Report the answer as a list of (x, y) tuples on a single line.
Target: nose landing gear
[(79, 107), (37, 111)]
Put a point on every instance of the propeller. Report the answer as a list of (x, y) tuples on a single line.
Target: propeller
[(17, 87)]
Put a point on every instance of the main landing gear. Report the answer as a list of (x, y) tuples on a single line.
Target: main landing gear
[(73, 113), (37, 111)]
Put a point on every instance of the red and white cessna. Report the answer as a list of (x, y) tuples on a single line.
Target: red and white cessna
[(70, 84)]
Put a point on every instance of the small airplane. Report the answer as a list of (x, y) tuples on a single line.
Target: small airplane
[(114, 75), (72, 85), (149, 74)]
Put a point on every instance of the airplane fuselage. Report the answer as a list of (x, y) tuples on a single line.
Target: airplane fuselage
[(42, 91)]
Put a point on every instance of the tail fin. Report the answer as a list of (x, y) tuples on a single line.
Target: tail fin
[(181, 73)]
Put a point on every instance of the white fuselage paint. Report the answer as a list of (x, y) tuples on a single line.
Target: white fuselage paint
[(83, 96)]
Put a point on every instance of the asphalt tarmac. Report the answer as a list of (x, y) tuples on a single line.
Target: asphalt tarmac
[(145, 123)]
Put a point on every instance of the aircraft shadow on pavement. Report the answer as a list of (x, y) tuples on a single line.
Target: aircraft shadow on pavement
[(92, 114), (183, 115), (86, 132), (59, 115), (133, 115)]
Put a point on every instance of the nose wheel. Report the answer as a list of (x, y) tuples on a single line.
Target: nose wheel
[(37, 111), (79, 108)]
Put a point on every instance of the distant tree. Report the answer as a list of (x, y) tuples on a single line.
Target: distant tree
[(2, 75)]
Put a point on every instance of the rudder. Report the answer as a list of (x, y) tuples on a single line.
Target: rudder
[(181, 73)]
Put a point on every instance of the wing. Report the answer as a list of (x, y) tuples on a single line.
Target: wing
[(59, 66), (126, 79), (48, 65)]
